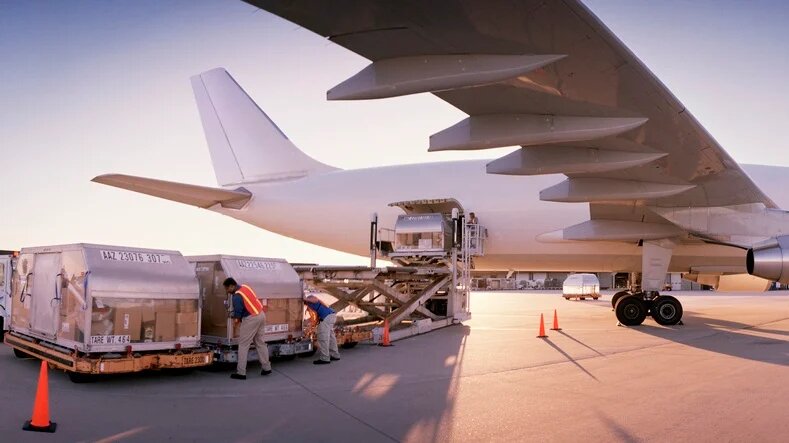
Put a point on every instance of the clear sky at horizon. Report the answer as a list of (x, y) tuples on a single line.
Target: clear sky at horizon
[(91, 87)]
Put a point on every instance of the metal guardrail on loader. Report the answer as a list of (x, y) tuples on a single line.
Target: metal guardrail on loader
[(433, 249), (280, 290), (92, 309)]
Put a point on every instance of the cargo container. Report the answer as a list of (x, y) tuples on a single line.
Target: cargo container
[(277, 285), (92, 309), (581, 286)]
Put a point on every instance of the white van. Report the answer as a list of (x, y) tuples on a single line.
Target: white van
[(581, 286)]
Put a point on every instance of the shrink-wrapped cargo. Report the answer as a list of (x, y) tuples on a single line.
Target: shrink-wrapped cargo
[(95, 298)]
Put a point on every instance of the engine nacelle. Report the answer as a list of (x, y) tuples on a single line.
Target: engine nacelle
[(770, 259)]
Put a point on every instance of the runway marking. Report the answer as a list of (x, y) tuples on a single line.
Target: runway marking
[(121, 435)]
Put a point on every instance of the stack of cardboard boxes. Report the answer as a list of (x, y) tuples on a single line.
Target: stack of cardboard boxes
[(285, 311), (145, 321), (186, 318)]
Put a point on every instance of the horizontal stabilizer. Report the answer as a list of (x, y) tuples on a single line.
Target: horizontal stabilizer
[(200, 196)]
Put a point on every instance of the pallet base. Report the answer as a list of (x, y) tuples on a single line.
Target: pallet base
[(101, 364)]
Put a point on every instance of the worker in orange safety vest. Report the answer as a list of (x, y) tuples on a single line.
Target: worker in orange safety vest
[(248, 310)]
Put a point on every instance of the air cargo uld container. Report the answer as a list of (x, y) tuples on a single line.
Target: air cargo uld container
[(581, 286), (277, 285), (93, 309)]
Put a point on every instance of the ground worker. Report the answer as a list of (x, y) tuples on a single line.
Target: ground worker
[(327, 341), (248, 311)]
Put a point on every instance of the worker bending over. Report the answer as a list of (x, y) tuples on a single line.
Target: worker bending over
[(248, 310), (327, 341)]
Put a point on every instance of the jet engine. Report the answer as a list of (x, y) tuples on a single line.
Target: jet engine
[(770, 259)]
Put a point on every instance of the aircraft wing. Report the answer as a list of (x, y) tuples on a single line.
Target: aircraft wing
[(550, 77)]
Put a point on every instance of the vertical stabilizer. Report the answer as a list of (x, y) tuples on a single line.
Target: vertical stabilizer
[(245, 145)]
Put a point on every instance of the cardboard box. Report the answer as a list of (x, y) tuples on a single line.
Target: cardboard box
[(295, 314), (164, 329), (187, 305), (186, 324), (166, 305), (101, 327), (68, 329), (148, 312), (128, 321), (276, 317)]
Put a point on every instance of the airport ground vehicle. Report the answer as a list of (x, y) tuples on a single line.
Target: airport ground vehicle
[(95, 309), (581, 286), (280, 290), (432, 249)]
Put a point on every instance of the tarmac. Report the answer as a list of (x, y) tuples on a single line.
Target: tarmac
[(722, 376)]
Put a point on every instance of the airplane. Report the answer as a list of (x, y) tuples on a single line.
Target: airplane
[(609, 172)]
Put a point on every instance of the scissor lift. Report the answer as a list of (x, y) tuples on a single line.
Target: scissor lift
[(428, 288)]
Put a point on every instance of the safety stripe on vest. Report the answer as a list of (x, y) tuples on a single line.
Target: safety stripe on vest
[(250, 299)]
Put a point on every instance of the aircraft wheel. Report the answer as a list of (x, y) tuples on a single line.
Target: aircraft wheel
[(617, 296), (666, 310), (630, 310)]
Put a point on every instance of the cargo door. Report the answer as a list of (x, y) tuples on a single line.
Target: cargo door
[(5, 292), (45, 281)]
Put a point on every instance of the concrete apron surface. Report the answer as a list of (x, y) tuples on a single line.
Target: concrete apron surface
[(721, 376)]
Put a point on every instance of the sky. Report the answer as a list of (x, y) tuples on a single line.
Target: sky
[(93, 87)]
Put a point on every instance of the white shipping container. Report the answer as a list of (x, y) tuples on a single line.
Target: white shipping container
[(581, 286)]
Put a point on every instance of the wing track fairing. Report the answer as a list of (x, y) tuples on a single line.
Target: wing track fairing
[(650, 142)]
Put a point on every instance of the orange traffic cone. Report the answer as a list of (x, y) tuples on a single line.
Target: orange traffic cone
[(385, 341), (542, 328), (40, 421), (555, 322)]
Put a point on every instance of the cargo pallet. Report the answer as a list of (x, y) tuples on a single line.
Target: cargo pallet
[(80, 366), (228, 353)]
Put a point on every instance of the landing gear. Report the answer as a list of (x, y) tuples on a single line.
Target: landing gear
[(617, 296), (632, 309), (666, 310)]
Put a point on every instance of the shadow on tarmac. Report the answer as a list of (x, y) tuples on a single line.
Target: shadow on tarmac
[(725, 337)]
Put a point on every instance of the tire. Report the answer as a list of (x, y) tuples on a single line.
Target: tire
[(81, 377), (20, 354), (617, 296), (349, 345), (308, 354), (631, 310), (666, 310)]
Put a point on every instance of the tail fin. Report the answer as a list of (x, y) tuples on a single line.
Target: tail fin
[(245, 145)]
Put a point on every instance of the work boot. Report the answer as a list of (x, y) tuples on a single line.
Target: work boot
[(237, 376), (321, 362), (265, 372)]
